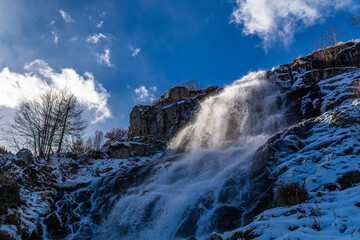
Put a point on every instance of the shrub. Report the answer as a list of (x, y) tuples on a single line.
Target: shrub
[(9, 193), (116, 134), (95, 154), (290, 194), (4, 151)]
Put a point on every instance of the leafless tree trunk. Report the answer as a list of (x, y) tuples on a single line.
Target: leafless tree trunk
[(71, 123), (45, 121), (355, 20), (89, 145), (332, 35), (98, 139)]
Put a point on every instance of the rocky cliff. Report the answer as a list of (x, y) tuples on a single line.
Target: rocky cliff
[(321, 152), (163, 118), (151, 126)]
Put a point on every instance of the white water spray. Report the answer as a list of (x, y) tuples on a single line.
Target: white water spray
[(206, 188)]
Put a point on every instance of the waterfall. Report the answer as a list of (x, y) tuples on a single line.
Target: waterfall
[(205, 189)]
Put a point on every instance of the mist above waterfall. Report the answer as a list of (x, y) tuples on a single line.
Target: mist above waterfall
[(205, 189), (250, 107)]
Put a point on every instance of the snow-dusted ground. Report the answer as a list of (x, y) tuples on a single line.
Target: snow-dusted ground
[(60, 172), (335, 215)]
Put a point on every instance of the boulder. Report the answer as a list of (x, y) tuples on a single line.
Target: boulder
[(23, 158)]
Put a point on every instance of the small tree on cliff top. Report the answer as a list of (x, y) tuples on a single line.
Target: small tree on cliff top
[(116, 134)]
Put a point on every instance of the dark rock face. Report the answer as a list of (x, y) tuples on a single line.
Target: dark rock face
[(349, 179), (140, 147), (55, 226), (228, 218), (301, 76), (167, 115), (265, 159)]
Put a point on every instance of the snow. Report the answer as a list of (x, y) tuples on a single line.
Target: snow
[(330, 151), (59, 173), (11, 230), (126, 143), (335, 215)]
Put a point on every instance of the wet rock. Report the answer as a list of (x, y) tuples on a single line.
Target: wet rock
[(53, 221), (4, 235), (246, 235), (215, 236), (55, 226), (227, 218), (97, 218), (189, 226), (331, 187), (349, 179), (191, 238)]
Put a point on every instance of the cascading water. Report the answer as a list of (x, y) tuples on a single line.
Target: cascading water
[(206, 188)]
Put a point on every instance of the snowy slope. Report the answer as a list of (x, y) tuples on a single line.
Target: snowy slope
[(326, 157)]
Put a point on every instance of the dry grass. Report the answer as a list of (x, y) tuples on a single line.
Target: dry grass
[(290, 194)]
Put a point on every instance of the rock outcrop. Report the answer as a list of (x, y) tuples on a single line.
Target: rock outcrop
[(303, 75), (138, 147), (151, 126), (166, 116), (321, 152)]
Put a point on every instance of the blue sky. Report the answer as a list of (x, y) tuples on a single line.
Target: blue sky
[(119, 53)]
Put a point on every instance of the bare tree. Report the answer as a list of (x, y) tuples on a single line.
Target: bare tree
[(98, 139), (116, 134), (49, 119), (355, 20), (78, 146), (89, 145), (71, 121), (332, 34), (191, 85), (4, 151), (195, 84), (5, 164)]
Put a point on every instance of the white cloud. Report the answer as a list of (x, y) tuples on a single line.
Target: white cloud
[(105, 58), (96, 38), (67, 18), (134, 51), (17, 88), (74, 39), (280, 20), (56, 38), (143, 95), (99, 25)]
